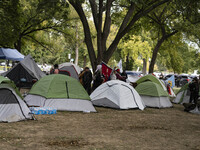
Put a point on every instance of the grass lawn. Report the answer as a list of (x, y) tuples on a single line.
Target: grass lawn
[(109, 129)]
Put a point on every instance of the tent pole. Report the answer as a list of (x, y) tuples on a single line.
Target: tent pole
[(5, 65)]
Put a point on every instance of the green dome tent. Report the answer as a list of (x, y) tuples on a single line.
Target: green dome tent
[(61, 92), (151, 78), (183, 95), (12, 107), (153, 95)]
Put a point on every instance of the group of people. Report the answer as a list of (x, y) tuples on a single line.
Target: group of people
[(98, 78)]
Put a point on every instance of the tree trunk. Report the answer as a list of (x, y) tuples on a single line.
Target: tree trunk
[(18, 44), (77, 47), (144, 69), (156, 49), (155, 53), (127, 62), (88, 40)]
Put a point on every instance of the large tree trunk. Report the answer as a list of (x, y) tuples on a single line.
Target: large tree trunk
[(77, 47), (156, 49), (155, 53), (88, 40), (144, 69)]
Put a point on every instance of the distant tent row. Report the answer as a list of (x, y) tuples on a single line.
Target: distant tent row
[(26, 72)]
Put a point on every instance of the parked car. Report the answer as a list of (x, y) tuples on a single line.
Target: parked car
[(133, 76), (183, 79), (193, 76)]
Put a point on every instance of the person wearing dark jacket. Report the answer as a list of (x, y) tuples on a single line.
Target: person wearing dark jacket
[(194, 90), (98, 77), (87, 79)]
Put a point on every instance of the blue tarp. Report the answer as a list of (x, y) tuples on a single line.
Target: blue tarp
[(10, 54)]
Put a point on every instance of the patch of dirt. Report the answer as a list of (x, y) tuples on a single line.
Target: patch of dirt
[(68, 143)]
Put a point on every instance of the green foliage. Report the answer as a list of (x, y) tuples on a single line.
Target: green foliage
[(136, 47), (24, 18), (9, 22)]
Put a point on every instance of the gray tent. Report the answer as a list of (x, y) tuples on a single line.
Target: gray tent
[(70, 69), (12, 107), (25, 72)]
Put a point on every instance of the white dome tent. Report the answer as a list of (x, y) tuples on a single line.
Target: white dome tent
[(117, 94)]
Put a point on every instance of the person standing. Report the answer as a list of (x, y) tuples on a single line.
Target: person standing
[(194, 90), (98, 77), (87, 79)]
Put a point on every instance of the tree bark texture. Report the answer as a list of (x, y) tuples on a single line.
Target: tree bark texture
[(77, 47), (144, 68)]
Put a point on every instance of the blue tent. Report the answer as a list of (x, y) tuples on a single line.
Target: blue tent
[(10, 54)]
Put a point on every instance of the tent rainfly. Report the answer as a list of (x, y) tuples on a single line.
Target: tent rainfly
[(26, 71), (117, 94), (10, 54), (61, 92)]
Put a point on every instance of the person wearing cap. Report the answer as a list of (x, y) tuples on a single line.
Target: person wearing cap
[(194, 90)]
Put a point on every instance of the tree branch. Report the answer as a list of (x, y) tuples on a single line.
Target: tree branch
[(127, 28), (39, 29), (40, 43), (107, 24), (127, 18), (94, 12)]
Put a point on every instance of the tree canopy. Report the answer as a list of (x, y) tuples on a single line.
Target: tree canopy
[(105, 30)]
